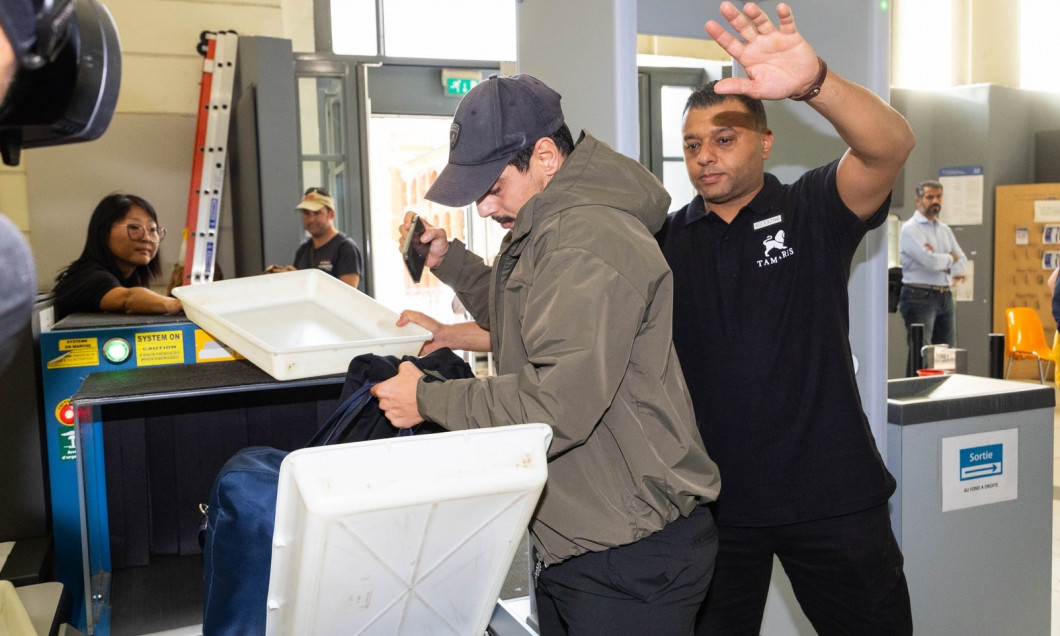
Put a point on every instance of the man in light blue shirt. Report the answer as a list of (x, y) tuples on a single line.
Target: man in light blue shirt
[(931, 262)]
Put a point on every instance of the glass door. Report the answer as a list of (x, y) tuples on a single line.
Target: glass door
[(405, 155), (329, 93), (663, 92), (408, 122)]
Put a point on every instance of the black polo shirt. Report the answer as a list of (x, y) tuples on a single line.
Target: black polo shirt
[(761, 327)]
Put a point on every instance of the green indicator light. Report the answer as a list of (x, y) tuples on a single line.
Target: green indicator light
[(884, 5), (116, 350)]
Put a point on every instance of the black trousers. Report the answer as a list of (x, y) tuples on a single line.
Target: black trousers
[(654, 586), (846, 573)]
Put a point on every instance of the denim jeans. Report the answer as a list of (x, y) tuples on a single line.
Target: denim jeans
[(933, 309)]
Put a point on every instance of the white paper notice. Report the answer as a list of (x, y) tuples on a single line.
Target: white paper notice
[(964, 288), (962, 190), (1045, 211), (980, 469)]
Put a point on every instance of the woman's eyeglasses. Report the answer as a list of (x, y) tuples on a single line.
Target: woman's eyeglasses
[(136, 232)]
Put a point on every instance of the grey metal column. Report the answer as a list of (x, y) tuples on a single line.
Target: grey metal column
[(586, 50), (264, 166)]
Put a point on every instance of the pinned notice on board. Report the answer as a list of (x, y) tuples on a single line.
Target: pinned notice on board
[(1023, 236), (1051, 235), (1047, 211)]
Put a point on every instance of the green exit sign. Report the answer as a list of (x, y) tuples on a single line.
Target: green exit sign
[(459, 85)]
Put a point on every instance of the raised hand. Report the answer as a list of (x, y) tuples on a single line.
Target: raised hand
[(779, 62)]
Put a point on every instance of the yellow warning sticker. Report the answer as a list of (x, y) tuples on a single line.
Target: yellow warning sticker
[(76, 352), (159, 347), (207, 349)]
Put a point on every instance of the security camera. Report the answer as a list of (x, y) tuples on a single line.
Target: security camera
[(68, 60)]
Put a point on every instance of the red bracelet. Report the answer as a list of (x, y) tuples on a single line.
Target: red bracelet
[(815, 88)]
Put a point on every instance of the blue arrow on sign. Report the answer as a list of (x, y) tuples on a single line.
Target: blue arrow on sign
[(982, 461)]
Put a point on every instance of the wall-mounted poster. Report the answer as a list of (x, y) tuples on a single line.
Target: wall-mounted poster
[(962, 190)]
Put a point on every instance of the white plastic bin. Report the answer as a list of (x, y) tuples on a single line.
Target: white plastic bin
[(298, 324), (412, 535)]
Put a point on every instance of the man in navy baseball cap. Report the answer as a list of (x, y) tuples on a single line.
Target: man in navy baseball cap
[(578, 310)]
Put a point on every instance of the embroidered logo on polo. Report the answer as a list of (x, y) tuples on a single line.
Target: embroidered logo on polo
[(775, 249), (774, 243)]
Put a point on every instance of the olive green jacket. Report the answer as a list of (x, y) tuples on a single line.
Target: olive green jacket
[(579, 306)]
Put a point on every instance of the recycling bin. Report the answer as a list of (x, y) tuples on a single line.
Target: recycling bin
[(973, 458)]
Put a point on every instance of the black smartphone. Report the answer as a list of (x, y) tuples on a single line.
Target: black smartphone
[(413, 251)]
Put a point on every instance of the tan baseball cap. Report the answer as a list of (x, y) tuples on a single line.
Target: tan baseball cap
[(315, 201)]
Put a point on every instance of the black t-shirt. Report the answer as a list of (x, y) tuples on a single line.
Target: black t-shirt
[(761, 327), (83, 288), (339, 256)]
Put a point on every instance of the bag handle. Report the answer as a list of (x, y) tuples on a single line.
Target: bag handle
[(337, 423)]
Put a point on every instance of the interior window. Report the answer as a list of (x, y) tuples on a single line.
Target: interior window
[(426, 29)]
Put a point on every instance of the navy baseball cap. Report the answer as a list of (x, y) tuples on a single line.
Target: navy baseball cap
[(495, 120)]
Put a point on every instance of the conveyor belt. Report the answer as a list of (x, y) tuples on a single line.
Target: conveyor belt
[(184, 380)]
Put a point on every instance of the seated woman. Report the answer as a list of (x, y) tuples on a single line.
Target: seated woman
[(118, 263)]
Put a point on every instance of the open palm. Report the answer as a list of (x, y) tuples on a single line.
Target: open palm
[(779, 62)]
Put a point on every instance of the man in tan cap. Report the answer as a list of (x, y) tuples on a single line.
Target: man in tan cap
[(327, 249)]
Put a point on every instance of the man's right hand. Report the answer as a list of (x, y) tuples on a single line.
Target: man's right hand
[(435, 236), (397, 396)]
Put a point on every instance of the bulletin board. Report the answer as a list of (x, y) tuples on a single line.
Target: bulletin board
[(1026, 251)]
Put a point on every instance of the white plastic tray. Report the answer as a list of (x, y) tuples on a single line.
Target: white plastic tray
[(298, 324), (405, 536)]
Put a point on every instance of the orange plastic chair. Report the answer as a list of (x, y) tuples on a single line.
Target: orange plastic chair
[(1056, 355), (1025, 340)]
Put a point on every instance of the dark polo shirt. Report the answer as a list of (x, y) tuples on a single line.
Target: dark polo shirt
[(761, 327), (339, 256)]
